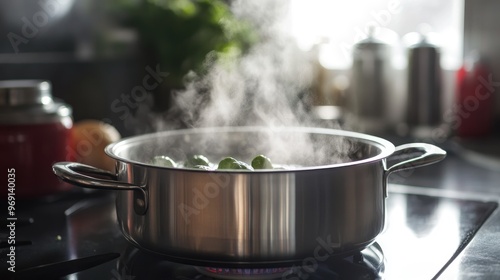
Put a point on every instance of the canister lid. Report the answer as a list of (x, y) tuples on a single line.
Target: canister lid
[(24, 92), (370, 48), (30, 102), (370, 42)]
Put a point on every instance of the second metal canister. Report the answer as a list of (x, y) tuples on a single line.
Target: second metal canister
[(424, 85)]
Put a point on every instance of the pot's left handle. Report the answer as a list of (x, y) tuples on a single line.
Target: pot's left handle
[(413, 155), (80, 175)]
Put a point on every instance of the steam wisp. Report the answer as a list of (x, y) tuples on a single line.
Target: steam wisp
[(268, 86)]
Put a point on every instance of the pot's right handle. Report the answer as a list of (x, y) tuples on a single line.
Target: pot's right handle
[(77, 174), (411, 156)]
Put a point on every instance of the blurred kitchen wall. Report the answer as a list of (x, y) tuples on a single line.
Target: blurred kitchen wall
[(331, 29), (104, 57), (89, 60), (92, 62)]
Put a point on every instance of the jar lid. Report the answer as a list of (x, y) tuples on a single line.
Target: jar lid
[(29, 102), (25, 92)]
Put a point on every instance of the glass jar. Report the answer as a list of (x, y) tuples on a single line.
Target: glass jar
[(34, 134)]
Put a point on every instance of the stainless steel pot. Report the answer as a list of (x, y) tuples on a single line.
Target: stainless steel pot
[(232, 217)]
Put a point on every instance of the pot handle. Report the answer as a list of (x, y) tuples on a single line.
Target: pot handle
[(76, 174), (411, 156)]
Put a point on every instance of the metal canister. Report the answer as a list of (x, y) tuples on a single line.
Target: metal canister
[(424, 85), (369, 88), (34, 133)]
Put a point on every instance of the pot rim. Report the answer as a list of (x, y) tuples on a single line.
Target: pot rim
[(386, 147)]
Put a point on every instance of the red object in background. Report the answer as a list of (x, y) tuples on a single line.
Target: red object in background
[(34, 134), (474, 101), (31, 150)]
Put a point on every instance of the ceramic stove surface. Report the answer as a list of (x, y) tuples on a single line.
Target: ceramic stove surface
[(424, 233), (367, 264)]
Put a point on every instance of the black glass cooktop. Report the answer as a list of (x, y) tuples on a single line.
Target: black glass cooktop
[(423, 234), (368, 264)]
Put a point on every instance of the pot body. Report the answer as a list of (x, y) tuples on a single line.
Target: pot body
[(331, 202), (254, 218)]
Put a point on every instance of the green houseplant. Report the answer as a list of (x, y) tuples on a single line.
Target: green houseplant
[(179, 34)]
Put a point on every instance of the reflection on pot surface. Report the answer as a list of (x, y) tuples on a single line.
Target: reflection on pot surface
[(90, 228), (252, 217)]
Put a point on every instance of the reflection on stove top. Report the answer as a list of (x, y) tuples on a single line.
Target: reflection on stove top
[(423, 234), (367, 264)]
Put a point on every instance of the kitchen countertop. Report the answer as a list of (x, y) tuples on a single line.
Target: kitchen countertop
[(455, 173), (460, 175)]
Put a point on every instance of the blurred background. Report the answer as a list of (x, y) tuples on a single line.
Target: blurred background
[(418, 68), (405, 70)]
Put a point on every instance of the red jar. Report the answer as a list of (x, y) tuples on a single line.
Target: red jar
[(34, 134), (475, 100)]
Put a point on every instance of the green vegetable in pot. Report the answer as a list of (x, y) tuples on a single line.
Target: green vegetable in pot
[(232, 163), (204, 167), (228, 163), (197, 160), (164, 161), (262, 162)]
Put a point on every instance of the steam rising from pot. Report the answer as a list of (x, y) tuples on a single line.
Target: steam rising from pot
[(262, 87), (268, 86)]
